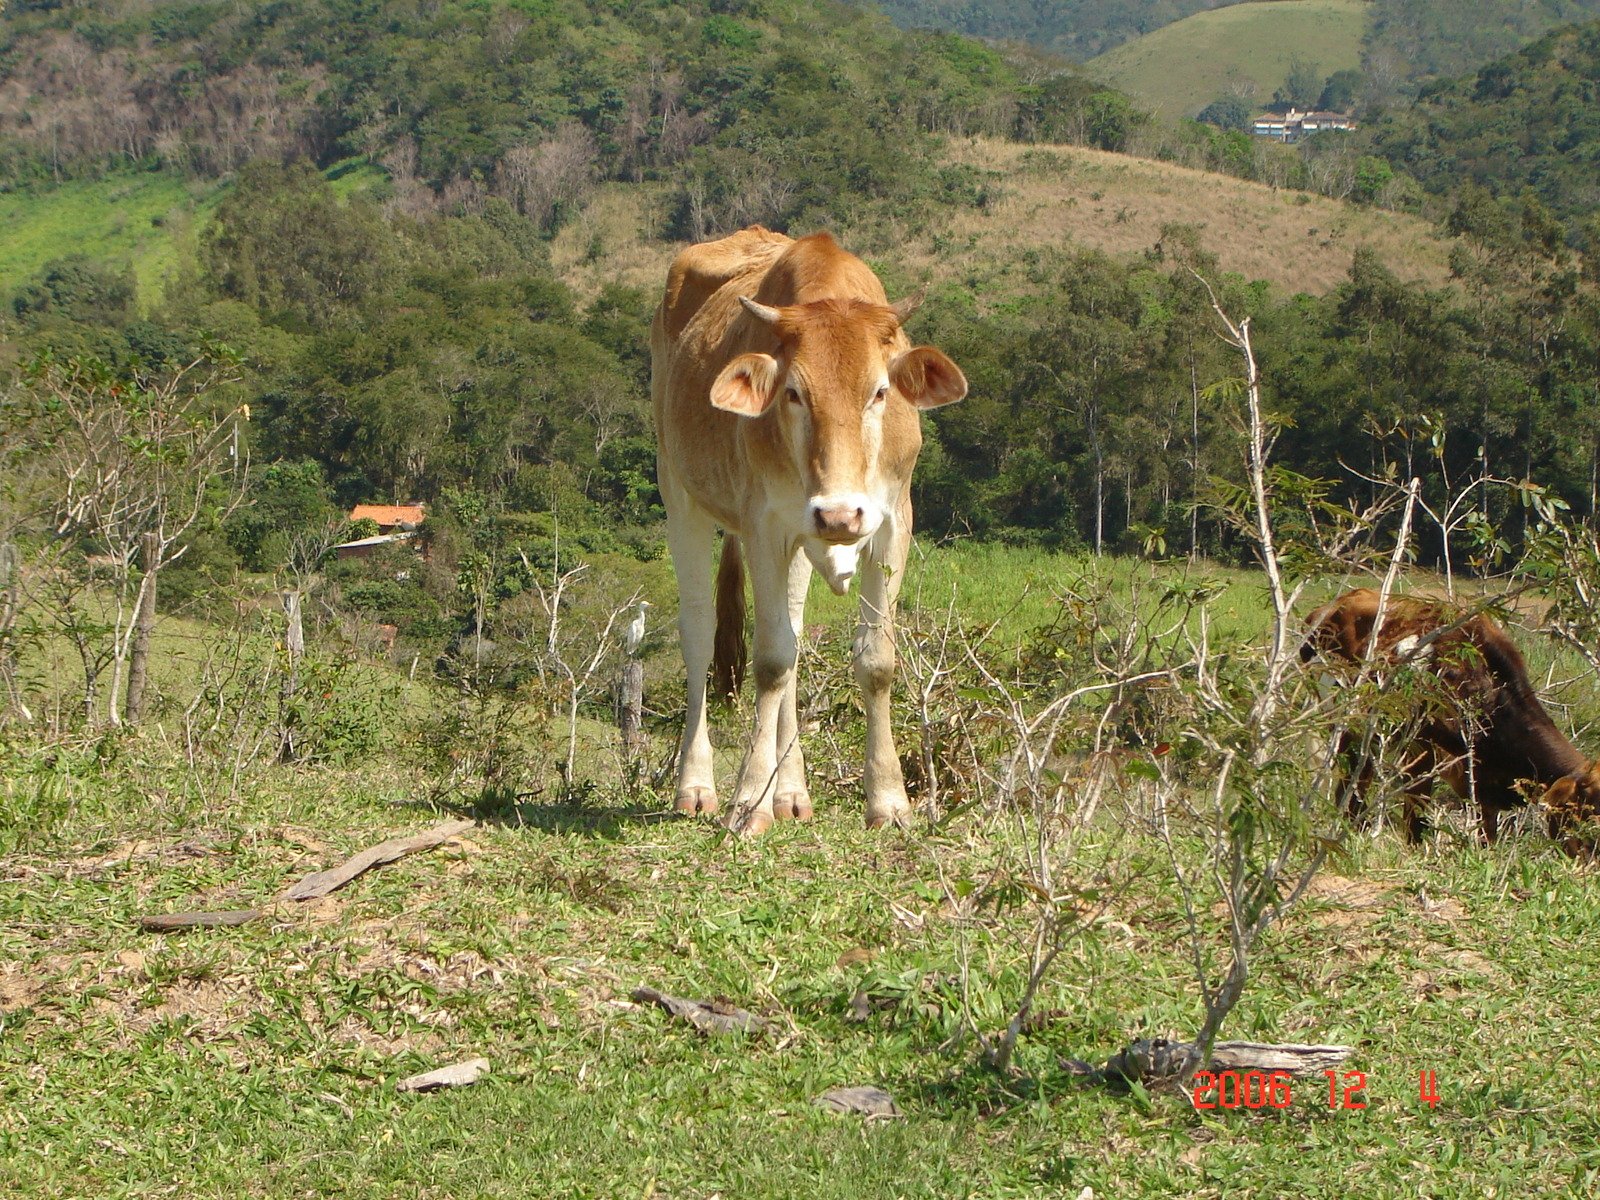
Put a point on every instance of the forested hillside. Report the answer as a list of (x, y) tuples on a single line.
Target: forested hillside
[(1530, 121), (419, 248), (529, 101), (1415, 40), (1077, 29)]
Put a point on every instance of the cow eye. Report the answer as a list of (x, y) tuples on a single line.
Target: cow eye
[(882, 394), (791, 395)]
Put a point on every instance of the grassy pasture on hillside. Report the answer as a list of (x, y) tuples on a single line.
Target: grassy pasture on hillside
[(260, 1060), (141, 220), (144, 220), (1057, 197), (1180, 68), (1060, 196)]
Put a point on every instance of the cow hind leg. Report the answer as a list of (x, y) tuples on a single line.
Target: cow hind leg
[(691, 538), (793, 799)]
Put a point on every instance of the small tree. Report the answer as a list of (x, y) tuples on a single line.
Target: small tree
[(1262, 816), (1227, 112), (1301, 86), (138, 462)]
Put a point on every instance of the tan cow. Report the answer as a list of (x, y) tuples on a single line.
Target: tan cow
[(786, 398)]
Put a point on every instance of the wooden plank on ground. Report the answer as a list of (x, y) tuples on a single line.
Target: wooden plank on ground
[(456, 1075), (708, 1016), (322, 882), (170, 922)]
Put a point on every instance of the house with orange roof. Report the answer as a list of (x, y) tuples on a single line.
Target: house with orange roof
[(396, 523), (390, 518)]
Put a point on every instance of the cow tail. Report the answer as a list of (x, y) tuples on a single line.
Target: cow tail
[(729, 653)]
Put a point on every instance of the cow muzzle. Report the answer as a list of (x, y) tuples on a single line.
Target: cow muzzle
[(841, 520)]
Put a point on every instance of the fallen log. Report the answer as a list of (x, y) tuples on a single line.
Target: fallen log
[(170, 922), (1154, 1060), (321, 883)]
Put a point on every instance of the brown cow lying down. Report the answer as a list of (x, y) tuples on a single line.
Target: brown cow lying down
[(1483, 731)]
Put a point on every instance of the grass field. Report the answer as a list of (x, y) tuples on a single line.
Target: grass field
[(145, 220), (140, 220), (1180, 68), (259, 1061)]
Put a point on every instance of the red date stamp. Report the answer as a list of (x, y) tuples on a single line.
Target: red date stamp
[(1262, 1089)]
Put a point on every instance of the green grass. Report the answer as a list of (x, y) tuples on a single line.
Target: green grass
[(260, 1061), (144, 220), (1180, 68)]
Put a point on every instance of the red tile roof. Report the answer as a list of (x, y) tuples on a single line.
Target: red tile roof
[(389, 514)]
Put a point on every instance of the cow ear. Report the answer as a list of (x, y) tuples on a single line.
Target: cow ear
[(746, 385), (1561, 794), (927, 378)]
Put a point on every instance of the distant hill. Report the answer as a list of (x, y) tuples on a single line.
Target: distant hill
[(1407, 42), (1531, 120), (1060, 197), (1077, 29), (1420, 39), (1180, 68)]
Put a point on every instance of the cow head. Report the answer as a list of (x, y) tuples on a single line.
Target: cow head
[(1574, 800), (840, 367)]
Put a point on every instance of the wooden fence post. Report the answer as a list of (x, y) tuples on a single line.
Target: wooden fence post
[(630, 708)]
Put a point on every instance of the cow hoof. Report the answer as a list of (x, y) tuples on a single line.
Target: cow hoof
[(750, 824), (701, 800), (898, 817), (792, 806)]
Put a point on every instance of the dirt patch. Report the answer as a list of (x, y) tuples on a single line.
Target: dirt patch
[(1442, 909), (1452, 975), (1351, 903), (141, 850), (1349, 893), (25, 984), (19, 987)]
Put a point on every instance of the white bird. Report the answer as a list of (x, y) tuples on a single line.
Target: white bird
[(633, 636)]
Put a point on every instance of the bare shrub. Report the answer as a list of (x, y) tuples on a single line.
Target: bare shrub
[(137, 463), (546, 181)]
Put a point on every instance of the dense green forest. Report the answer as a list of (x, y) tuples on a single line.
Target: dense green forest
[(1416, 40), (1530, 121), (1076, 29), (411, 340)]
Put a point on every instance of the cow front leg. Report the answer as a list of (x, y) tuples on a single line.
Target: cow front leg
[(793, 799), (774, 662), (691, 537), (874, 660)]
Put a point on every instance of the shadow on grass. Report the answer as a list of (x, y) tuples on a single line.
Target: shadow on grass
[(577, 816), (974, 1088)]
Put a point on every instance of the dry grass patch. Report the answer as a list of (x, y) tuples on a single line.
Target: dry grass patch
[(1052, 198), (614, 240), (1064, 197)]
